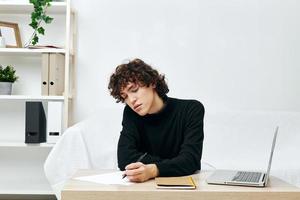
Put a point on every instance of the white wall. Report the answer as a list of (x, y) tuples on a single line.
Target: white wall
[(231, 55)]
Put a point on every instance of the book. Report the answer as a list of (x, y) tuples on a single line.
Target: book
[(182, 182), (43, 47), (45, 74), (56, 74), (54, 121)]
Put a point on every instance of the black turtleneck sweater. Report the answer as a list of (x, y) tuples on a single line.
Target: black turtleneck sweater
[(173, 138)]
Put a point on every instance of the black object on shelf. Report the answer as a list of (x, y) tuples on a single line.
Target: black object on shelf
[(35, 123)]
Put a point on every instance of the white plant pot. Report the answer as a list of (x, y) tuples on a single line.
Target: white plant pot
[(5, 88)]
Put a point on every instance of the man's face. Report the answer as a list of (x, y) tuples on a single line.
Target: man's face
[(139, 98)]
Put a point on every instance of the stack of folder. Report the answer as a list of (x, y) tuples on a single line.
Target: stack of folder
[(53, 74), (41, 126)]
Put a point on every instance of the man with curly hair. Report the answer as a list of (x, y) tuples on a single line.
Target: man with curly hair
[(168, 131)]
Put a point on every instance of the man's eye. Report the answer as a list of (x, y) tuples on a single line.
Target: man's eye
[(135, 89)]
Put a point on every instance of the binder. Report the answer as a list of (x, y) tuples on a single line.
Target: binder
[(182, 182), (45, 74), (54, 121), (35, 123), (56, 74), (53, 74)]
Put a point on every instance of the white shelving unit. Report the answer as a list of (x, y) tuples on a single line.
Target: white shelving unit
[(22, 144), (31, 98), (21, 165), (32, 52), (16, 7)]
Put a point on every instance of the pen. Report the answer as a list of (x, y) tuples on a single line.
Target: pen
[(138, 160)]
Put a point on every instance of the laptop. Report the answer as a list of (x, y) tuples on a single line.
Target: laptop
[(243, 178)]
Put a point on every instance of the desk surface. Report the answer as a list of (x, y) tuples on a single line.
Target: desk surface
[(276, 190)]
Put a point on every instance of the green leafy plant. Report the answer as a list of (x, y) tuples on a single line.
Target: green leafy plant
[(37, 17), (8, 74)]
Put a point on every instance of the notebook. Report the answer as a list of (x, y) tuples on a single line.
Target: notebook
[(183, 182)]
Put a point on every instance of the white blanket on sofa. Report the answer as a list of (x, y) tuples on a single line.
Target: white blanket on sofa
[(90, 144)]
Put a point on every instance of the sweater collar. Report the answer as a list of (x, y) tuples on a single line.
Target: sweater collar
[(165, 109)]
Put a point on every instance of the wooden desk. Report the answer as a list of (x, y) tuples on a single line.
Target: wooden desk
[(80, 190)]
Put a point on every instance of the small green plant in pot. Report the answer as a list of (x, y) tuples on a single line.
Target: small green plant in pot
[(7, 78)]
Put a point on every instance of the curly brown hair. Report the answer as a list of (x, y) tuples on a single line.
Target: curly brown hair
[(136, 71)]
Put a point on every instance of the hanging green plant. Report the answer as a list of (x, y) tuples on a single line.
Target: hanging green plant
[(37, 17)]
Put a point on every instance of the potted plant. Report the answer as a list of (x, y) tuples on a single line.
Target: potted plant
[(7, 78), (38, 16)]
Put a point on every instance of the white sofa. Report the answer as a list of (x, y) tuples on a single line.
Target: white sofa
[(89, 144), (233, 140)]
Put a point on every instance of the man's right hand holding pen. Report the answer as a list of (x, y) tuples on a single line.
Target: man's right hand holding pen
[(139, 172)]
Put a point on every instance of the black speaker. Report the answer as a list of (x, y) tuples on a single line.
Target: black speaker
[(35, 123)]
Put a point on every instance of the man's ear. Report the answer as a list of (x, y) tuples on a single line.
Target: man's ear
[(153, 85)]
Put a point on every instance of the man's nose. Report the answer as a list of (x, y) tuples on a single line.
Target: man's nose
[(132, 99)]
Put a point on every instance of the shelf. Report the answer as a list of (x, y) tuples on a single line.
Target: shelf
[(22, 173), (25, 51), (23, 188), (8, 7), (26, 192), (31, 98), (22, 144)]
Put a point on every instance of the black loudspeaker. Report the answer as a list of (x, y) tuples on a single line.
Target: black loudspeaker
[(35, 123)]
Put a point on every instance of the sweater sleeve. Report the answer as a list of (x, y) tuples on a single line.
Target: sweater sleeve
[(130, 141), (188, 159)]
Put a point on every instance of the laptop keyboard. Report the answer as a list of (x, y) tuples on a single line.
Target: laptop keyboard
[(252, 177)]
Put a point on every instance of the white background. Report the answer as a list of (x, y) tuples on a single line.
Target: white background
[(237, 55)]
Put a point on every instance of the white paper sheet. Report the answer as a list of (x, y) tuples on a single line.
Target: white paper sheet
[(114, 178)]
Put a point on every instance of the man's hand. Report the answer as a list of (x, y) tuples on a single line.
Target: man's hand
[(139, 172)]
